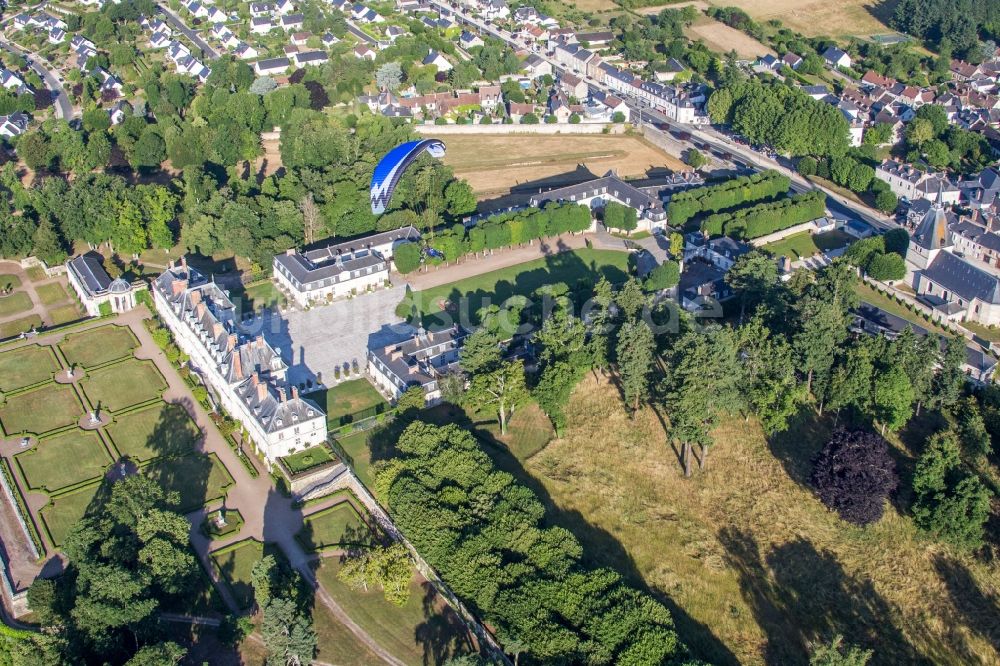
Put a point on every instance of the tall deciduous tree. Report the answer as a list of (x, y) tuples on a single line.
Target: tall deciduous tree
[(387, 567), (635, 360), (502, 390)]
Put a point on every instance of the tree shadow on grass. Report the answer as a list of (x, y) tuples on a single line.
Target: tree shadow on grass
[(979, 609), (443, 635), (600, 548), (799, 595)]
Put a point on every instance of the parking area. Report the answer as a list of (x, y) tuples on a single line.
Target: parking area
[(315, 342)]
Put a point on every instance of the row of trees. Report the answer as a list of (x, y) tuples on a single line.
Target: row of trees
[(484, 534), (766, 218), (734, 192)]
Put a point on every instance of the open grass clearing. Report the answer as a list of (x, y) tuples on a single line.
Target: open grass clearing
[(528, 431), (9, 281), (818, 17), (122, 385), (422, 631), (40, 410), (9, 329), (97, 346), (803, 245), (52, 294), (25, 367), (65, 511), (752, 564), (235, 562), (356, 398), (63, 314), (496, 164), (307, 459), (495, 287), (723, 39), (338, 526), (197, 478), (152, 432), (64, 460), (14, 304)]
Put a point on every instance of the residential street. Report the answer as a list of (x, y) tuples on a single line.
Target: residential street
[(182, 27), (63, 108)]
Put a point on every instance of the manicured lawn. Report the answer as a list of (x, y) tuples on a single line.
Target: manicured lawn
[(9, 329), (334, 642), (40, 410), (36, 274), (64, 314), (52, 293), (356, 446), (304, 460), (9, 281), (497, 286), (832, 240), (197, 478), (19, 301), (985, 332), (26, 366), (235, 564), (422, 631), (258, 296), (99, 345), (880, 300), (64, 460), (339, 525), (122, 385), (805, 244), (161, 430), (357, 398), (66, 511)]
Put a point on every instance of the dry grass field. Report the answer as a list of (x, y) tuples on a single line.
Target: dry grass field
[(720, 37), (817, 17), (493, 164), (750, 562), (594, 5)]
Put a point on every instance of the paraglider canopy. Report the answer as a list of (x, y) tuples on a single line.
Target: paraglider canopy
[(392, 166)]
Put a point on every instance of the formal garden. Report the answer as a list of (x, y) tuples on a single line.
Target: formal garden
[(334, 528), (235, 562)]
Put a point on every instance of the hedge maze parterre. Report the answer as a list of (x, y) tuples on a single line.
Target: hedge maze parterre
[(69, 464)]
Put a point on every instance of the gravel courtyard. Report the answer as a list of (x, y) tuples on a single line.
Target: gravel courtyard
[(319, 340)]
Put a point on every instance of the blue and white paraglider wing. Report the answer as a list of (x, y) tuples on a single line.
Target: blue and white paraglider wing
[(392, 166)]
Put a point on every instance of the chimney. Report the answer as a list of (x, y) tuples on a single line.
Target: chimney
[(200, 310), (184, 262), (237, 363), (260, 342), (195, 297), (281, 392), (261, 392), (177, 287), (231, 343), (290, 251), (295, 392)]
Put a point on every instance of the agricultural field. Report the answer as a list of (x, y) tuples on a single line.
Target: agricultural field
[(819, 17), (749, 561), (496, 164), (720, 37)]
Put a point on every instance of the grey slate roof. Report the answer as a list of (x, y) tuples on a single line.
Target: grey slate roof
[(963, 279), (89, 270), (977, 234), (608, 184), (932, 232), (423, 357)]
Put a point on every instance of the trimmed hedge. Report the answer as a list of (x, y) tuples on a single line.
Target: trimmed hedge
[(711, 198), (22, 508), (766, 218)]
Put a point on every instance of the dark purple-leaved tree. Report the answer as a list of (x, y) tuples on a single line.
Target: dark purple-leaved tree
[(854, 474)]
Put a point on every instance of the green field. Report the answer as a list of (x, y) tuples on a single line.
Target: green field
[(349, 401), (40, 410), (356, 447), (258, 296), (306, 459), (97, 346), (124, 384), (52, 293), (9, 281), (66, 511), (63, 460), (160, 430), (196, 477), (497, 286), (235, 562), (9, 329), (25, 367), (423, 631), (17, 302), (338, 526), (805, 244), (64, 314)]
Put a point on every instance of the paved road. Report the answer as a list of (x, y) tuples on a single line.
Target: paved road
[(175, 20), (839, 206), (63, 108)]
